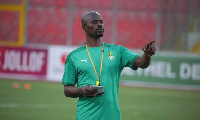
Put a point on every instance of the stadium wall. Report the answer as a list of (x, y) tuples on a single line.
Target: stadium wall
[(48, 64)]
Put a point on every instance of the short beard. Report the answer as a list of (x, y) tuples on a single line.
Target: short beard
[(97, 35)]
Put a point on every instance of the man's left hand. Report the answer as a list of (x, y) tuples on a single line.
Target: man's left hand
[(149, 49)]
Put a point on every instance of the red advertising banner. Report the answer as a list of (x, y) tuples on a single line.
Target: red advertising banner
[(23, 61)]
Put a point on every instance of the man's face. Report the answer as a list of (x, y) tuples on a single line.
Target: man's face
[(95, 26)]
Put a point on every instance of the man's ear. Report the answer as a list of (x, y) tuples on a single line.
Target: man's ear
[(83, 27)]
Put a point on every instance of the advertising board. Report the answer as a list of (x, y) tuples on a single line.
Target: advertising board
[(56, 61), (23, 62)]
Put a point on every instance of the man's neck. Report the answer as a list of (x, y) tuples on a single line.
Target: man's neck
[(94, 42)]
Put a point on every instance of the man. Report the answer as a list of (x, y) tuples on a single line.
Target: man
[(98, 63)]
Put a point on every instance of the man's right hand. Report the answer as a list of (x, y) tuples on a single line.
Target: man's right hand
[(149, 49), (88, 92)]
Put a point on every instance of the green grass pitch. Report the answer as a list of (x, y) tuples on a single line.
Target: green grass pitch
[(46, 101)]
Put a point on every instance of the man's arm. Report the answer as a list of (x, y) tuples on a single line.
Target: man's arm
[(144, 60), (74, 92)]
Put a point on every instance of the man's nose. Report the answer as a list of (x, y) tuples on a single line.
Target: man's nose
[(100, 25)]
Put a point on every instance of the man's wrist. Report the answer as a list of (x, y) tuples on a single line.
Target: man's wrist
[(80, 90), (146, 54)]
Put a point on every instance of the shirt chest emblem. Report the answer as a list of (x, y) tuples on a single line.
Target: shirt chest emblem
[(110, 56)]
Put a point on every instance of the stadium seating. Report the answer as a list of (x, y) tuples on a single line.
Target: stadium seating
[(48, 20), (55, 3), (9, 25), (133, 30), (78, 35), (44, 23), (94, 3), (142, 5), (130, 33), (48, 26)]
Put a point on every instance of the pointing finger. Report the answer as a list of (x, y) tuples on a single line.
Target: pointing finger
[(150, 43)]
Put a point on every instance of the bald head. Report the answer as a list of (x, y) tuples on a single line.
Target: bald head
[(85, 17)]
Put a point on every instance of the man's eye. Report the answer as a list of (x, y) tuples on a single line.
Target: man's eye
[(94, 22)]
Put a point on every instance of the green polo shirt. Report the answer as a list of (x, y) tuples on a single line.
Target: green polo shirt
[(79, 70)]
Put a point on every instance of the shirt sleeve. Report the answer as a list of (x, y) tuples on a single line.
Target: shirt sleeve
[(128, 58), (70, 74)]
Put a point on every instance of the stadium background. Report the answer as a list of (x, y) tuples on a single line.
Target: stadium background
[(37, 35)]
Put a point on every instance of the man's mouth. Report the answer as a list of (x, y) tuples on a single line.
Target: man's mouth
[(100, 30)]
